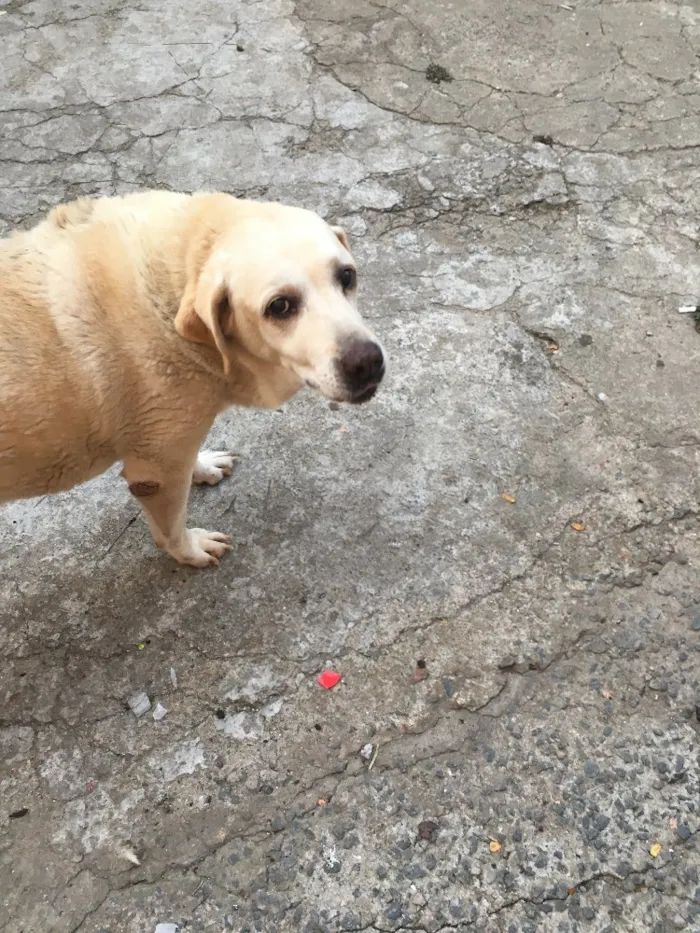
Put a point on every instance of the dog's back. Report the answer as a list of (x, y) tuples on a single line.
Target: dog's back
[(51, 342), (37, 389), (77, 294)]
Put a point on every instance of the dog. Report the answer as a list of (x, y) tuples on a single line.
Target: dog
[(128, 323)]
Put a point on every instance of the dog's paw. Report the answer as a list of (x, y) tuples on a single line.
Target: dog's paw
[(212, 466), (201, 548)]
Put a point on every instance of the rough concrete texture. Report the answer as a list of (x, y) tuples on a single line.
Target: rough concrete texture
[(521, 182)]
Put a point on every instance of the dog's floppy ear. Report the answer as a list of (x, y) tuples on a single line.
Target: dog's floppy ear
[(205, 316), (342, 236)]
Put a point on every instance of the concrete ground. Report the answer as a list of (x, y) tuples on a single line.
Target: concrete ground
[(521, 183)]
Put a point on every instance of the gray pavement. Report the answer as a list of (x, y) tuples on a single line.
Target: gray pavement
[(521, 183)]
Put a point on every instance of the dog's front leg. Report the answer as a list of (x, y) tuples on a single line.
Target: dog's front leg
[(162, 487)]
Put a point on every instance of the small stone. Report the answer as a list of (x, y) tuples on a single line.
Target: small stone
[(449, 687), (333, 867), (684, 831), (428, 830), (436, 74), (585, 340), (277, 824), (366, 751), (695, 624), (591, 768), (334, 406)]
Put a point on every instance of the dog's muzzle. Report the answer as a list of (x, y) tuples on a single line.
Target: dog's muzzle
[(361, 369)]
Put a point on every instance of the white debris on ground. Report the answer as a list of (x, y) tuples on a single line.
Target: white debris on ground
[(139, 703), (129, 855)]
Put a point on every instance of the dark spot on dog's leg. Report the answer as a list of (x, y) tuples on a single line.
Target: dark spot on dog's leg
[(141, 490)]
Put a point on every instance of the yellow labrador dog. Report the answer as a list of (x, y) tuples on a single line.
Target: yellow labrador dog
[(128, 324)]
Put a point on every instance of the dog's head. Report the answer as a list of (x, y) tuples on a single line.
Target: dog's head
[(280, 284)]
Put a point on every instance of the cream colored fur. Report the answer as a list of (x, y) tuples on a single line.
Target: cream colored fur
[(128, 324)]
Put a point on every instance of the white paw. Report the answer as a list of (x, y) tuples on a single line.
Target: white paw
[(201, 548), (212, 466)]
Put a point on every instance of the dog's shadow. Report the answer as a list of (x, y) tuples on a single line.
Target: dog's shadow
[(83, 585)]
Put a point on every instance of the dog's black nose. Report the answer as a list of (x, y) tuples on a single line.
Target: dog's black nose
[(362, 365)]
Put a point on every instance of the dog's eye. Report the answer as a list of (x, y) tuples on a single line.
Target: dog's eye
[(282, 307), (347, 278)]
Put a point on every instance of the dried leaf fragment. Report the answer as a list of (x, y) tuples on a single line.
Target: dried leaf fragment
[(655, 849), (578, 526), (508, 498), (495, 846)]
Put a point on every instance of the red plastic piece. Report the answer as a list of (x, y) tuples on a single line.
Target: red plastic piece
[(329, 679)]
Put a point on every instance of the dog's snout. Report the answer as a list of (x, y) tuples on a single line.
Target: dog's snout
[(362, 365)]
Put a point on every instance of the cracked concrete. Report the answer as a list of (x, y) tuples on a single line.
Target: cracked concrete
[(525, 234)]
